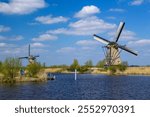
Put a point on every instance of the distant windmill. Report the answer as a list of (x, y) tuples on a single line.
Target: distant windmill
[(31, 58), (112, 52)]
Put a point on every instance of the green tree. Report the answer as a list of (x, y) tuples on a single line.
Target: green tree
[(122, 67), (89, 63), (112, 69), (33, 69), (11, 67), (74, 65), (83, 69), (1, 64), (101, 63)]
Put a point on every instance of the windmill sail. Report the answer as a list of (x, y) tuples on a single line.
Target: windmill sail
[(119, 30), (112, 47), (100, 39), (128, 50), (29, 50), (31, 58)]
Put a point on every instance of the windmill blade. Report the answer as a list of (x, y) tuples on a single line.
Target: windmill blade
[(29, 50), (23, 57), (119, 30), (128, 50), (100, 39), (36, 56)]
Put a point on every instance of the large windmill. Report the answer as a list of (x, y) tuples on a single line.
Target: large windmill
[(113, 49), (31, 58)]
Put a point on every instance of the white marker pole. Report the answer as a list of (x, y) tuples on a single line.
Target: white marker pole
[(75, 74)]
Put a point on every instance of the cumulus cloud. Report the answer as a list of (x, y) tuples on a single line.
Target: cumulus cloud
[(17, 38), (66, 50), (4, 28), (87, 43), (21, 6), (116, 10), (37, 45), (45, 37), (136, 2), (3, 44), (128, 35), (51, 20), (2, 37), (141, 42), (87, 11), (11, 38), (125, 35), (86, 26)]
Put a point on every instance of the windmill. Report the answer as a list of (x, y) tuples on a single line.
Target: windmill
[(31, 58), (112, 49)]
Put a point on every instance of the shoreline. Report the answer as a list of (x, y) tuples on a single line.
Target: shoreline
[(142, 71), (130, 71)]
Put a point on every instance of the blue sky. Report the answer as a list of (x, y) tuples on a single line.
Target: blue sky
[(61, 30)]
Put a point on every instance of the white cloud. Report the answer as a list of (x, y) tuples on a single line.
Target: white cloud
[(142, 42), (3, 44), (37, 45), (4, 28), (2, 37), (45, 37), (17, 38), (87, 11), (12, 38), (87, 43), (116, 10), (66, 50), (125, 35), (51, 20), (136, 2), (21, 6), (128, 35), (86, 26)]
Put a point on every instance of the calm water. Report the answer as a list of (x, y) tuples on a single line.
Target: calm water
[(86, 86)]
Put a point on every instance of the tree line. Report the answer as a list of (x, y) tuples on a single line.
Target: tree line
[(85, 68), (11, 68)]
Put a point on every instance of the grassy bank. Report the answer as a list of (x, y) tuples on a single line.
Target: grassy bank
[(24, 79), (128, 71)]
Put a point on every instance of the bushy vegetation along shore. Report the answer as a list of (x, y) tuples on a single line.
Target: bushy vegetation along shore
[(99, 68), (88, 67), (95, 70), (11, 71)]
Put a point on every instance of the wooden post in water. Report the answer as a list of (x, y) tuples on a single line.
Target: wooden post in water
[(75, 77)]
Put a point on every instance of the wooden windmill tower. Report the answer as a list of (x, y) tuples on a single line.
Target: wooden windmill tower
[(113, 49)]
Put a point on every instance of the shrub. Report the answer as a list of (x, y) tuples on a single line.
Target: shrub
[(1, 64), (33, 69), (74, 65), (83, 69), (11, 67), (122, 67), (101, 64), (89, 63), (112, 69)]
